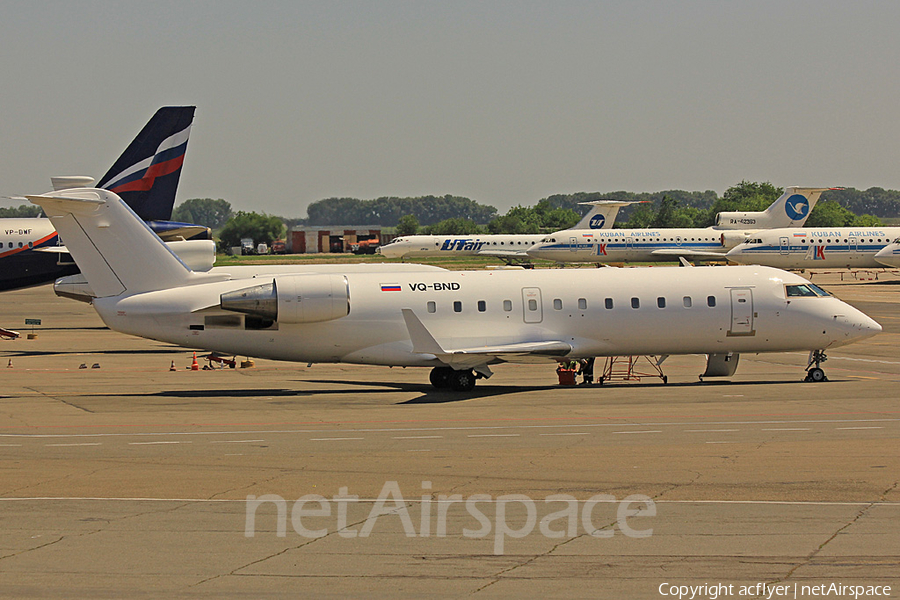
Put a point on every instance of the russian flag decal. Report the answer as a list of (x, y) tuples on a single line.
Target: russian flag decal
[(390, 287)]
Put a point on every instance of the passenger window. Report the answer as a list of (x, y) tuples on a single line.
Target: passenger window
[(482, 306), (710, 301), (532, 304), (457, 306), (635, 303), (507, 305), (431, 307), (609, 303), (582, 304), (557, 304), (687, 301), (661, 302)]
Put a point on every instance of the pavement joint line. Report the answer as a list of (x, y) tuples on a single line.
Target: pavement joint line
[(419, 437), (71, 445), (840, 428), (234, 441), (411, 429), (709, 430), (787, 429), (481, 435), (157, 443), (439, 501), (574, 433), (339, 439)]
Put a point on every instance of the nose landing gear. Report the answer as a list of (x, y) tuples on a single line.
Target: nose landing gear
[(815, 373)]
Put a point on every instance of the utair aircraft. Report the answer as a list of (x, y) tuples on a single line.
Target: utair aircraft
[(664, 245), (507, 247), (811, 248), (145, 175), (457, 323)]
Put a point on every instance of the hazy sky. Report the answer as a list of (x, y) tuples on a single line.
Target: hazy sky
[(505, 102)]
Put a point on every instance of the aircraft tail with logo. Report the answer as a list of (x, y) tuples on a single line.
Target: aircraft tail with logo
[(790, 210), (603, 213), (146, 174)]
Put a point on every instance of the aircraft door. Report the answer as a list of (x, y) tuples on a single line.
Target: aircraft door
[(573, 244), (741, 312), (531, 305), (784, 245), (852, 246), (629, 243)]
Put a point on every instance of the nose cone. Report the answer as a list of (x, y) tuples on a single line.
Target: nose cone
[(856, 326), (736, 254), (539, 251), (889, 255)]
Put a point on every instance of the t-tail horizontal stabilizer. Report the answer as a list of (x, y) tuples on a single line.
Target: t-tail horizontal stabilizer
[(115, 250)]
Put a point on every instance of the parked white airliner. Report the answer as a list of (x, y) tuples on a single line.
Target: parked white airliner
[(458, 323), (666, 245), (505, 246), (808, 248)]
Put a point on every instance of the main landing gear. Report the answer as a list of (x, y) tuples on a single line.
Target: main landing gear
[(458, 381), (815, 373)]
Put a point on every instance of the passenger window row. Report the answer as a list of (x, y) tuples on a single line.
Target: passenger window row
[(686, 302)]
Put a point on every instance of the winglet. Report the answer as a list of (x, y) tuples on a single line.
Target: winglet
[(423, 341)]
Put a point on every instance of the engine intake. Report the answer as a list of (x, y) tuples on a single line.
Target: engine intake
[(293, 299)]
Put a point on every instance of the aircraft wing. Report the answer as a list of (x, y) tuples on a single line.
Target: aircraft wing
[(424, 343), (52, 249), (687, 252), (504, 253)]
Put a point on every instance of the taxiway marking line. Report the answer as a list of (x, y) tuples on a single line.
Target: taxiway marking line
[(235, 441), (579, 433), (788, 429), (482, 435), (157, 443), (419, 437), (340, 439), (709, 430), (658, 431), (838, 428), (70, 445)]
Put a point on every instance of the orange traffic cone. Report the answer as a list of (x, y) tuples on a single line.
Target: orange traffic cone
[(194, 365), (172, 368)]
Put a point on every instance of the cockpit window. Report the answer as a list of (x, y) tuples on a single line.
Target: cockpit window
[(805, 289)]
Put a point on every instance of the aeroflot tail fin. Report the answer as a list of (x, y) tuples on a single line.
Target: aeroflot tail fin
[(602, 214), (146, 175), (116, 251)]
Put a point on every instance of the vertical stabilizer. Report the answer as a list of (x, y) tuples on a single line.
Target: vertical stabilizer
[(602, 214), (146, 175), (115, 250), (790, 210)]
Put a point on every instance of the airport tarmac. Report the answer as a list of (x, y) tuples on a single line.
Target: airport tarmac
[(129, 480)]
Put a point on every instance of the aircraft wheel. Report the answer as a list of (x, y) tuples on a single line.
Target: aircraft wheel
[(816, 375), (462, 381), (440, 377)]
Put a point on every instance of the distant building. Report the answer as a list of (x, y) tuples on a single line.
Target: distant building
[(311, 240)]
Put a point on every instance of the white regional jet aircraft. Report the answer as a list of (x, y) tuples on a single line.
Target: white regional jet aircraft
[(508, 247), (458, 323), (664, 245), (842, 248)]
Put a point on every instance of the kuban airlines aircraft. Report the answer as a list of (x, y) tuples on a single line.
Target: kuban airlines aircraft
[(843, 247), (145, 176), (457, 323), (665, 245), (508, 247)]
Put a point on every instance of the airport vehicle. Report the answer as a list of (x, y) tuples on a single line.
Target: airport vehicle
[(145, 176), (508, 247), (666, 245), (889, 256), (457, 323), (841, 247)]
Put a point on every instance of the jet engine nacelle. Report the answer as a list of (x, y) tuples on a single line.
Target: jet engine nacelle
[(293, 298)]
